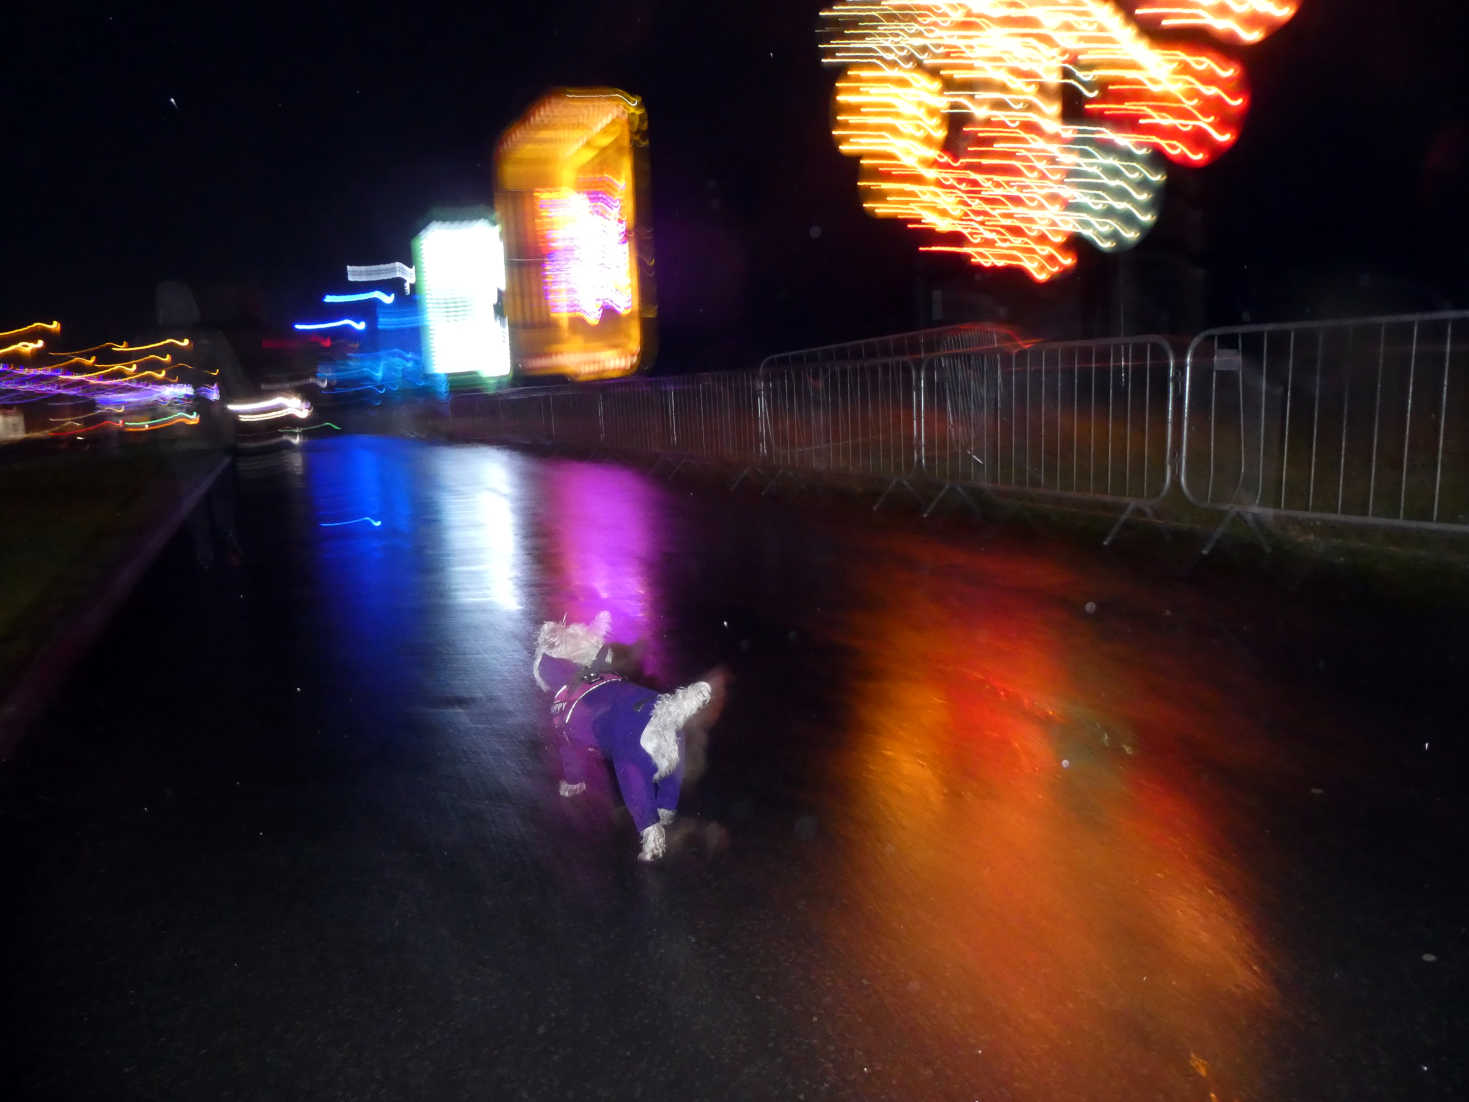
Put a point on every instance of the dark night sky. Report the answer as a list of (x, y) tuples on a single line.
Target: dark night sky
[(306, 138)]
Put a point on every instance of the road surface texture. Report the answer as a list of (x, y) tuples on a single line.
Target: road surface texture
[(988, 816)]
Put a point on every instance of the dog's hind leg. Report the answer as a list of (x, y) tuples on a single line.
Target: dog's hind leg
[(654, 843), (635, 781), (665, 793)]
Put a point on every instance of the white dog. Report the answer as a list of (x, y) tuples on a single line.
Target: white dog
[(596, 710)]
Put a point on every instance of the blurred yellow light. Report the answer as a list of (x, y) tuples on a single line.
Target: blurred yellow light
[(152, 357), (570, 194), (49, 326), (954, 111), (1242, 21), (124, 346)]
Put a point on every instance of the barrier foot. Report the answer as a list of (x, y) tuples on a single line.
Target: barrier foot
[(963, 493), (893, 485), (1250, 522), (797, 483), (1254, 526), (774, 479), (1132, 507), (748, 472)]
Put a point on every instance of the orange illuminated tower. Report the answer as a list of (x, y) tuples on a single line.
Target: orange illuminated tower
[(571, 193)]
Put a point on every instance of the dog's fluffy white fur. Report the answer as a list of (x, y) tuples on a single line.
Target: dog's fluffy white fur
[(579, 643), (655, 843), (670, 712)]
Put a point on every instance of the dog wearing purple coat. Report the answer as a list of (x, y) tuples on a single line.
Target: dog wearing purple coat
[(597, 711)]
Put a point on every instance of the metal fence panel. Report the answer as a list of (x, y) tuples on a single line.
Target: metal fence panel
[(522, 417), (714, 416), (1362, 420), (847, 418), (634, 417), (1089, 420), (577, 422)]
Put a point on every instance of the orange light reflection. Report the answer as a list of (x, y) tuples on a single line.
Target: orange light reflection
[(1057, 883)]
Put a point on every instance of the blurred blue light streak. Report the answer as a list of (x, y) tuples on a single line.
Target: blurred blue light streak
[(362, 296), (308, 325)]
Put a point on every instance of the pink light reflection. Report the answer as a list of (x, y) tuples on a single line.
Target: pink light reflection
[(603, 538)]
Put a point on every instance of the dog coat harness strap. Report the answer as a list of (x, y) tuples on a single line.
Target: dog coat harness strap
[(569, 696)]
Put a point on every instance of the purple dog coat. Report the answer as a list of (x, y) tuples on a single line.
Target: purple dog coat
[(604, 714)]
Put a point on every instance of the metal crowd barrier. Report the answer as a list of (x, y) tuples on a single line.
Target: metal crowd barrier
[(698, 417), (857, 408), (633, 417), (854, 418), (1362, 421), (1086, 421)]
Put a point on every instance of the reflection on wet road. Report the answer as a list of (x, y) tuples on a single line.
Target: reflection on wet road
[(985, 818)]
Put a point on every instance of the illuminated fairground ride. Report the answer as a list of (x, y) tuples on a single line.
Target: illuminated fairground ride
[(571, 197), (957, 113), (460, 258)]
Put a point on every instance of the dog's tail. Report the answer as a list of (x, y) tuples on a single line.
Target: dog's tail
[(692, 710), (718, 680), (696, 730), (670, 712)]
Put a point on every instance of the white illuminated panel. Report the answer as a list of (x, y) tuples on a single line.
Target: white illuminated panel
[(378, 273), (461, 278)]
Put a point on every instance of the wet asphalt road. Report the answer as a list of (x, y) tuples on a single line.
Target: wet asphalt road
[(292, 832)]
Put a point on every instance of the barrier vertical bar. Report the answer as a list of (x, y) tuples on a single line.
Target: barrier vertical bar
[(1408, 423), (1443, 416), (1111, 407), (1290, 383), (1315, 421), (1042, 448), (1376, 419), (1076, 415), (1264, 401), (1341, 470), (1148, 405)]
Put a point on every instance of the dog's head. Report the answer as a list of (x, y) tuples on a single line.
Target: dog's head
[(579, 643)]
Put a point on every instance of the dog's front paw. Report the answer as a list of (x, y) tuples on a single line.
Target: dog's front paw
[(573, 789), (655, 843), (665, 816)]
